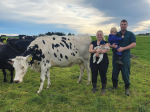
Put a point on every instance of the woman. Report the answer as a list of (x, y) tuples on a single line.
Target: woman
[(103, 65)]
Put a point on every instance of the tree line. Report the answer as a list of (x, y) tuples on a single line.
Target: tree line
[(58, 33)]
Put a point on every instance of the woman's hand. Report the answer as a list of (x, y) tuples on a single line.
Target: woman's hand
[(98, 51)]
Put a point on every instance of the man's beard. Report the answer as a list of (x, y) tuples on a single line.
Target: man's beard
[(123, 29)]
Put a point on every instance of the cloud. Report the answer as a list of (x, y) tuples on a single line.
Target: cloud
[(72, 14), (81, 16), (142, 26), (9, 34)]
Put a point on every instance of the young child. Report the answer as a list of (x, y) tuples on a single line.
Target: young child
[(102, 46), (114, 39)]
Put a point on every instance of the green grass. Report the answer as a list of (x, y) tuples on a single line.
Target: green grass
[(66, 95)]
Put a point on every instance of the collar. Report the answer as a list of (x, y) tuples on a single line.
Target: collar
[(124, 33)]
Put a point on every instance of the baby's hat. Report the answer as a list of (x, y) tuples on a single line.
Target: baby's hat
[(102, 42)]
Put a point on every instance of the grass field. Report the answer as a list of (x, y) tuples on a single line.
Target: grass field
[(65, 95)]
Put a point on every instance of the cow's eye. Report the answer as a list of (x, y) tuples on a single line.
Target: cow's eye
[(22, 67)]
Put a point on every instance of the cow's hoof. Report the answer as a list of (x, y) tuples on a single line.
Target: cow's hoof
[(11, 82), (38, 92), (48, 87), (5, 80), (88, 83), (79, 82)]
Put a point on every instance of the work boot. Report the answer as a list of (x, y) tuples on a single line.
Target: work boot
[(103, 88), (119, 61), (94, 87), (127, 89), (115, 85)]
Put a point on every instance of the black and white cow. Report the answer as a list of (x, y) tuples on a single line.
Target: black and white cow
[(53, 51)]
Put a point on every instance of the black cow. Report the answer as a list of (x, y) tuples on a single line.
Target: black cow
[(28, 37), (9, 51), (2, 39), (19, 44)]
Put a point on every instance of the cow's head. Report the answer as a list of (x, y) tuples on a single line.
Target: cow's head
[(21, 65)]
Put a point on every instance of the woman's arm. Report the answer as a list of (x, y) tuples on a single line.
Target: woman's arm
[(91, 50)]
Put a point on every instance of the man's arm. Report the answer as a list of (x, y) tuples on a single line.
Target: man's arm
[(132, 45), (113, 45)]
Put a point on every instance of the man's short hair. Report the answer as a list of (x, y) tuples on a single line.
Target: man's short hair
[(124, 21)]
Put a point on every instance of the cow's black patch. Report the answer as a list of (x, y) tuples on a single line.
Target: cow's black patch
[(59, 59), (57, 50), (73, 54), (48, 53), (65, 43), (55, 55), (64, 38), (44, 64), (66, 57), (76, 49), (43, 41), (62, 44), (47, 61), (35, 52), (68, 39), (61, 55), (53, 38), (74, 46), (70, 45), (76, 52), (38, 63), (55, 45)]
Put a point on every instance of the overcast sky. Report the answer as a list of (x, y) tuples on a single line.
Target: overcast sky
[(32, 17)]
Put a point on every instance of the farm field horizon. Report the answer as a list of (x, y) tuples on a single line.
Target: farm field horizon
[(66, 95)]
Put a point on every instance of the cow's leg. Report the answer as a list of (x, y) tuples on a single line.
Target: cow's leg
[(11, 73), (4, 73), (48, 79), (42, 78), (86, 64), (81, 65)]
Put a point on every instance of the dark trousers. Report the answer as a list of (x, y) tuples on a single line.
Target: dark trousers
[(125, 70), (102, 69)]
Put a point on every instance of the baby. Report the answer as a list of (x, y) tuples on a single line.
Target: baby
[(114, 39), (101, 47)]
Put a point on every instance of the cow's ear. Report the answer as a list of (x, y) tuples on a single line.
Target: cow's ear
[(11, 61), (29, 58)]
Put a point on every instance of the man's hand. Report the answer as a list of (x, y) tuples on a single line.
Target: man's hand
[(113, 46), (120, 49)]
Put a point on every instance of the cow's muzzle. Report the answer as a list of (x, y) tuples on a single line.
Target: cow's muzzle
[(16, 81)]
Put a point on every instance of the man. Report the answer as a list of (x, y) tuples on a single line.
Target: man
[(125, 44)]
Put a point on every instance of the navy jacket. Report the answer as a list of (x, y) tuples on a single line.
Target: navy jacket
[(114, 39)]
